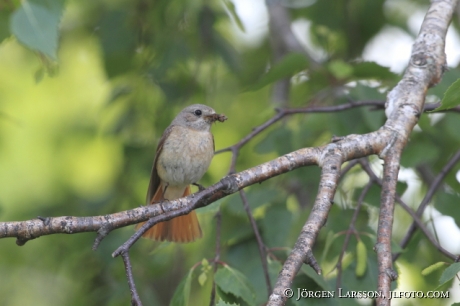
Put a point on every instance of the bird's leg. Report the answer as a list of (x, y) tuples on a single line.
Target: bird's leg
[(162, 199), (164, 192), (200, 187)]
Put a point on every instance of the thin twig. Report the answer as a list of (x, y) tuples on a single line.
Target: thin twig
[(282, 112), (135, 299), (424, 230), (366, 167), (255, 131), (312, 262), (260, 243), (348, 167), (429, 195), (218, 217), (351, 229)]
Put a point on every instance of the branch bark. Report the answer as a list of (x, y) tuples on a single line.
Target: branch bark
[(351, 147), (166, 210), (404, 106)]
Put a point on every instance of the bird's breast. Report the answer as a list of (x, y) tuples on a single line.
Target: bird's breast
[(185, 156)]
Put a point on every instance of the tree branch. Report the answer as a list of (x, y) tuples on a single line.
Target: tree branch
[(365, 166), (429, 195), (404, 105), (34, 228), (385, 225), (135, 299), (328, 183), (283, 41), (282, 112), (353, 146), (218, 217), (403, 108), (261, 246), (351, 229)]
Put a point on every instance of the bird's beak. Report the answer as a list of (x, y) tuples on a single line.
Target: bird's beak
[(216, 117)]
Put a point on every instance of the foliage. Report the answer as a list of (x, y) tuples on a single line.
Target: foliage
[(86, 89)]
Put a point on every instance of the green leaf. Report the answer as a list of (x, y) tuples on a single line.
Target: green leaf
[(449, 273), (373, 196), (361, 258), (449, 77), (364, 92), (212, 208), (231, 9), (447, 204), (329, 239), (227, 297), (205, 269), (5, 13), (204, 263), (273, 224), (287, 67), (274, 268), (372, 70), (182, 293), (232, 281), (118, 48), (340, 69), (411, 156), (39, 74), (433, 267), (318, 279), (451, 97), (227, 52), (35, 24), (222, 303), (401, 187), (202, 278), (279, 140), (256, 198), (396, 248)]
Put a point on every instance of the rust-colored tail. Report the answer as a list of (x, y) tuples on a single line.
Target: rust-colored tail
[(180, 229)]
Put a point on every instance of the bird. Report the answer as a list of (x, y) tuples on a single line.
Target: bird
[(183, 155)]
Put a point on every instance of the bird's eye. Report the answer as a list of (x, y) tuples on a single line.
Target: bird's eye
[(198, 112)]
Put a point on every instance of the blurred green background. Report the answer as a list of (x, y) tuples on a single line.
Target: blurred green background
[(87, 88)]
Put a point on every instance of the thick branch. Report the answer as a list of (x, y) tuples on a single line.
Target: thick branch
[(328, 184), (405, 104), (351, 147), (34, 228), (385, 226)]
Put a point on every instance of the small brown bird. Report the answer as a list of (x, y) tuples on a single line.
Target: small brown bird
[(183, 155)]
